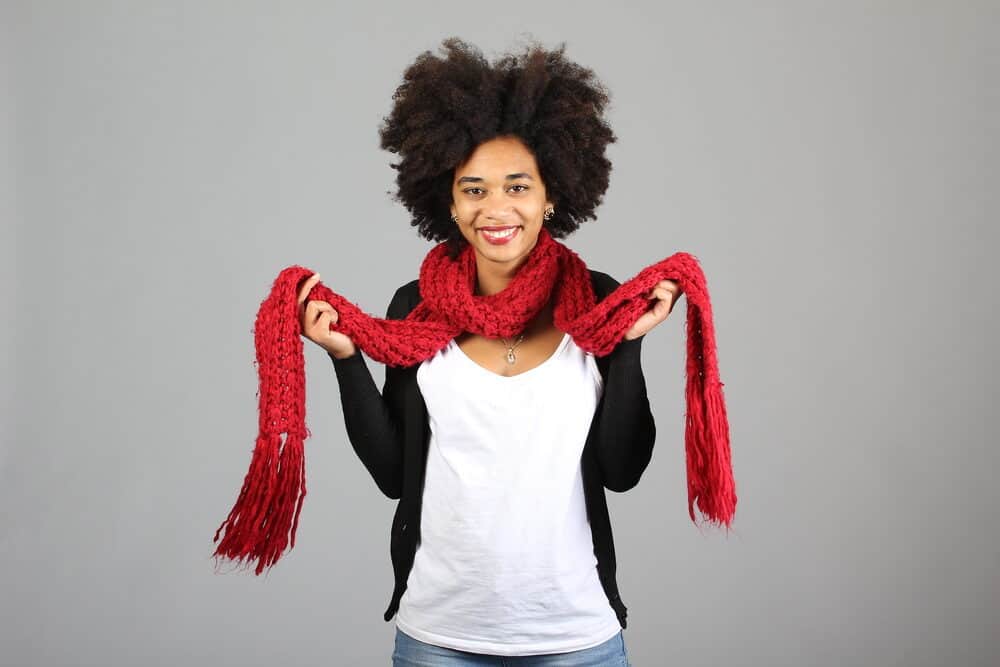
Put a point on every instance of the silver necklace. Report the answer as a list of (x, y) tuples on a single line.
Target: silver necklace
[(510, 349)]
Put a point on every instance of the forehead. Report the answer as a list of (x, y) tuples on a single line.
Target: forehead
[(498, 158)]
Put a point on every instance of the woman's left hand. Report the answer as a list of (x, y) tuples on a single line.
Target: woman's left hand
[(665, 292)]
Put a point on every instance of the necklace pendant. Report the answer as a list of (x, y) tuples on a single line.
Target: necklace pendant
[(510, 357)]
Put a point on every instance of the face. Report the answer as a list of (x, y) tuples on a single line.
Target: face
[(500, 200)]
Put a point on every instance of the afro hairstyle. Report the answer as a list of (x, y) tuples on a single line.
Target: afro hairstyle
[(446, 106)]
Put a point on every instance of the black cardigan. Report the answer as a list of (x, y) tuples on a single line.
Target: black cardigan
[(390, 431)]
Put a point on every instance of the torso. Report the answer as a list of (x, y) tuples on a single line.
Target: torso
[(490, 572), (541, 338)]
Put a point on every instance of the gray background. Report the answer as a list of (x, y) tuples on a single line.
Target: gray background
[(833, 166)]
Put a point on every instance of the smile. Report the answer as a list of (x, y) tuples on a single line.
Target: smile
[(499, 235)]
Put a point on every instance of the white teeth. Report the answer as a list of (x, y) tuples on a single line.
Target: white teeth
[(500, 235)]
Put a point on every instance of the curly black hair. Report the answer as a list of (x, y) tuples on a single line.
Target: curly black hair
[(445, 107)]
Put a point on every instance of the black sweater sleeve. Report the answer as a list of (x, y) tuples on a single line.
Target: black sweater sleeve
[(624, 430), (374, 420)]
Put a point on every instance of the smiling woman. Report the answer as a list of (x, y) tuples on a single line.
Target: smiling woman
[(518, 146), (514, 394)]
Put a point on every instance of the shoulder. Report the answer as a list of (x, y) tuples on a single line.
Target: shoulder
[(603, 283), (405, 299), (407, 296)]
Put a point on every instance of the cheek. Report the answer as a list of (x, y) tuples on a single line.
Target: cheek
[(534, 213), (467, 212), (467, 227)]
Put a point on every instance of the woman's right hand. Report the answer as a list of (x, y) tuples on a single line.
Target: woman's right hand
[(315, 318)]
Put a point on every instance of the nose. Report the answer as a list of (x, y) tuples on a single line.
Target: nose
[(496, 207)]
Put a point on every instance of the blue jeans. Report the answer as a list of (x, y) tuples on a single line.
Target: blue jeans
[(411, 652)]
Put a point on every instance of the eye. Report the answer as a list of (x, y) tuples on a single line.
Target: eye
[(519, 186), (469, 190)]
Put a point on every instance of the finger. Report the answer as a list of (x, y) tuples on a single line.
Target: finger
[(644, 323), (669, 286), (672, 287), (316, 315), (321, 305), (320, 326), (322, 308), (668, 298), (666, 294), (303, 290), (307, 287), (329, 325), (659, 309), (662, 310)]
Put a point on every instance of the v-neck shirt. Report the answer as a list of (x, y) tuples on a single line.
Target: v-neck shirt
[(506, 562)]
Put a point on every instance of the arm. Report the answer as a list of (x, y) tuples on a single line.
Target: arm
[(373, 420), (624, 430)]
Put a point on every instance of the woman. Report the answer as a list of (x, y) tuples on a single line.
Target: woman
[(508, 444)]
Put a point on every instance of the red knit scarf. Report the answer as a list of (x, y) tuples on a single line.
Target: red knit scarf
[(266, 514)]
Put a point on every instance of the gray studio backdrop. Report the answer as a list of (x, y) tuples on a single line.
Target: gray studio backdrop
[(833, 166)]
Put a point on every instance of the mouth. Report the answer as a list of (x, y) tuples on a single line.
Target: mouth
[(499, 235)]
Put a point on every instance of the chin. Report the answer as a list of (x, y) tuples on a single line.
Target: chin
[(505, 253)]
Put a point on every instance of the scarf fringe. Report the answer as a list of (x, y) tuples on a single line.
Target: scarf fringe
[(265, 517), (710, 481)]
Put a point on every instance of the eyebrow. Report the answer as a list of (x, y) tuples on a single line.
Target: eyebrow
[(476, 179)]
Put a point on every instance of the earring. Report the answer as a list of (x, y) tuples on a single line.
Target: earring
[(454, 219), (549, 213)]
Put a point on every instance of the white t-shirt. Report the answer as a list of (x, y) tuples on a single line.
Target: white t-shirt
[(506, 562)]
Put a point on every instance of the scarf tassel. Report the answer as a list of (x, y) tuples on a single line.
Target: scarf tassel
[(710, 478), (270, 501)]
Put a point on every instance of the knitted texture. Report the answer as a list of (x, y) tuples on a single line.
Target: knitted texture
[(264, 519)]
